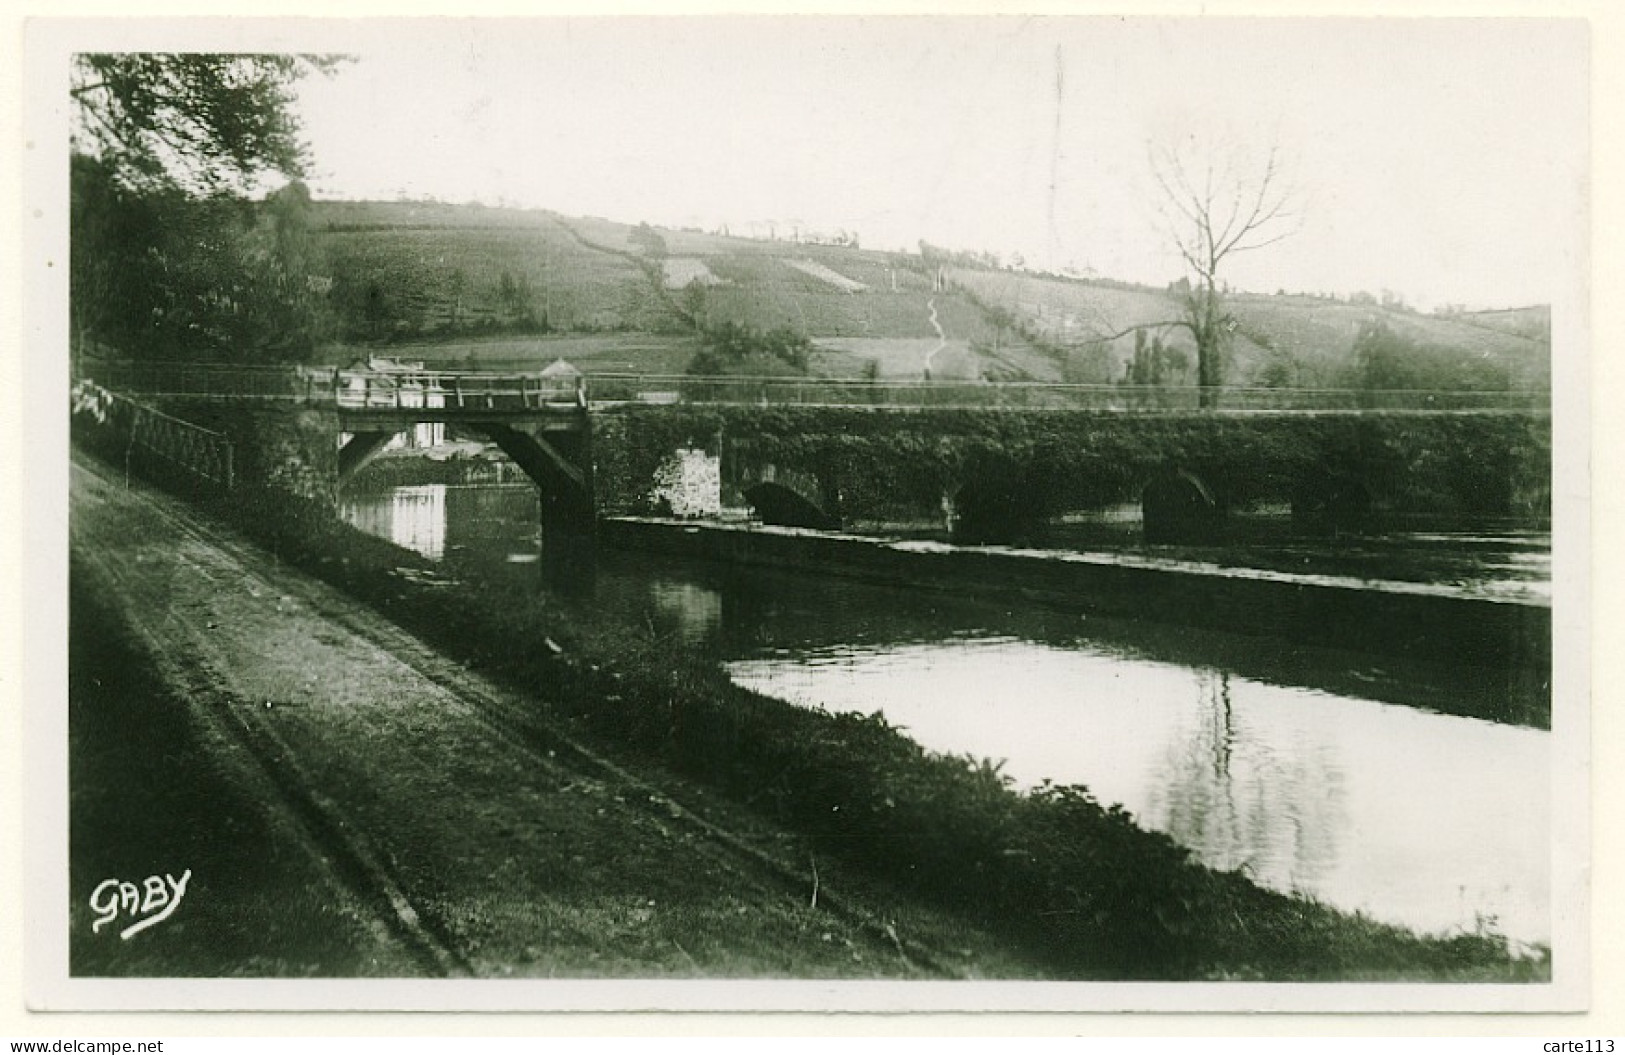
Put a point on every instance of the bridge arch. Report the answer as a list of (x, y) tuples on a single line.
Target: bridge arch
[(993, 511), (789, 497), (1331, 501), (1178, 508)]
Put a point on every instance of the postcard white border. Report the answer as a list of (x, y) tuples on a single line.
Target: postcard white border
[(40, 626)]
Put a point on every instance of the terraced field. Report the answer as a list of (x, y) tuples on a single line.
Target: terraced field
[(404, 281), (680, 272), (506, 287), (826, 275)]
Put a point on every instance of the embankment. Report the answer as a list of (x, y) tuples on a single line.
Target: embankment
[(1402, 620), (1075, 882)]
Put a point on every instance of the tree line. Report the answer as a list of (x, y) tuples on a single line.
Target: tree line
[(170, 255)]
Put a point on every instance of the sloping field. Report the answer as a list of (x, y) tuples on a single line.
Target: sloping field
[(1073, 316), (1318, 335), (1322, 334), (446, 273), (824, 274), (1066, 311), (896, 358), (762, 293), (702, 243), (680, 272), (428, 272), (1533, 323), (399, 281), (607, 233), (351, 215)]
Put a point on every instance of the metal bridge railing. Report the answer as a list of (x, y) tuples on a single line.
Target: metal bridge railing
[(347, 389), (367, 390), (1022, 395), (200, 380), (181, 445), (408, 389)]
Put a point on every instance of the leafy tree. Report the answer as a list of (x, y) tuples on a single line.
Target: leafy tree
[(648, 239), (203, 122), (158, 274), (1155, 362), (168, 257), (1385, 360), (110, 279), (518, 301), (732, 349), (695, 304)]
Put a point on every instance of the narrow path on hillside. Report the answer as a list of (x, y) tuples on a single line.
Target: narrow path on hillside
[(942, 336), (651, 269), (452, 821)]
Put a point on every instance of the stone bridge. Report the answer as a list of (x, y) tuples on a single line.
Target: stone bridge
[(993, 461), (998, 475)]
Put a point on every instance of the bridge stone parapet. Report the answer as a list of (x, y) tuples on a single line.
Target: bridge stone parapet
[(1005, 471), (290, 449)]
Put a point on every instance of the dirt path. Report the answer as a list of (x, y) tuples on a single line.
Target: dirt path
[(942, 336), (437, 822)]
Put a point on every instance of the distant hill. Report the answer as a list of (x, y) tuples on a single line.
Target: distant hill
[(1533, 323), (1293, 341), (510, 289)]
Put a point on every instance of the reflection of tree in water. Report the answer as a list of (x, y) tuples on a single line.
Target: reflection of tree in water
[(1240, 802)]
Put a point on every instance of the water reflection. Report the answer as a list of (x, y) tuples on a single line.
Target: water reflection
[(694, 612), (1229, 792), (1422, 819), (1295, 764), (412, 517)]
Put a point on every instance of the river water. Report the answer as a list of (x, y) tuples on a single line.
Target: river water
[(1370, 783)]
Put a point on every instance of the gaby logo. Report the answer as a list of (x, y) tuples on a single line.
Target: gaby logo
[(154, 901)]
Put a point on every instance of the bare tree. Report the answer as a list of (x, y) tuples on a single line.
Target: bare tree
[(1213, 206)]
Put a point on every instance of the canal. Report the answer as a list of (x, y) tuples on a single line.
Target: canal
[(1411, 790)]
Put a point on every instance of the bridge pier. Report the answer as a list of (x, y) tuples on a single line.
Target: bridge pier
[(560, 463), (540, 421), (360, 449)]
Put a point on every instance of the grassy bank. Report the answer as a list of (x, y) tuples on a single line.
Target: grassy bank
[(1074, 881)]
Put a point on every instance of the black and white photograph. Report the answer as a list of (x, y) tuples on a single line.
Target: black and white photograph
[(741, 513)]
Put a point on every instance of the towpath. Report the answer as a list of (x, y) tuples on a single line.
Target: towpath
[(354, 803)]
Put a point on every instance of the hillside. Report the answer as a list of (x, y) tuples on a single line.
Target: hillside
[(1282, 340), (503, 287), (474, 286)]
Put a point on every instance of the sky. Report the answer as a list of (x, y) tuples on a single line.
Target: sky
[(1442, 159)]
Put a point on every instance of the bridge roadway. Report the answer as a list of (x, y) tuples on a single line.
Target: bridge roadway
[(380, 398)]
